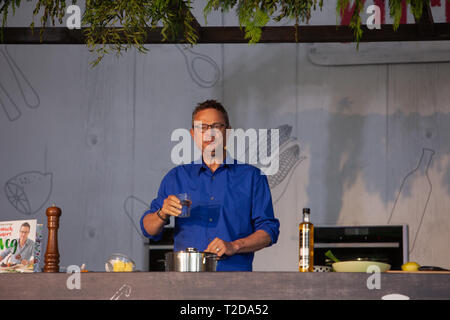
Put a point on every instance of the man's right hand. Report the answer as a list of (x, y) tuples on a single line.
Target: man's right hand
[(153, 224), (171, 207)]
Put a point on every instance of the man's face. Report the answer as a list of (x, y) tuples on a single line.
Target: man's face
[(210, 137), (23, 234)]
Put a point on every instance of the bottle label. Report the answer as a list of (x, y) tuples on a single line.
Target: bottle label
[(304, 252), (304, 247), (304, 258)]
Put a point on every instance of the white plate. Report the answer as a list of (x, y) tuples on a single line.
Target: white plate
[(360, 266)]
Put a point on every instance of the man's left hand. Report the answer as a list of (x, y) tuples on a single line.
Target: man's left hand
[(221, 247)]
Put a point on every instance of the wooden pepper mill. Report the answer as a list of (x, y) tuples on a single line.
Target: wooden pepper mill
[(52, 254)]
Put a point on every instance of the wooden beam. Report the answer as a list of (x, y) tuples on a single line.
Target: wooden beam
[(284, 34)]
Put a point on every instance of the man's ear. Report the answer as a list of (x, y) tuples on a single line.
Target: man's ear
[(192, 133)]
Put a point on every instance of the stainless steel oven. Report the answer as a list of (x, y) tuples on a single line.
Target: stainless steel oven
[(383, 243)]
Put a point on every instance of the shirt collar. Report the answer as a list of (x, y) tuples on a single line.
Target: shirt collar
[(229, 162)]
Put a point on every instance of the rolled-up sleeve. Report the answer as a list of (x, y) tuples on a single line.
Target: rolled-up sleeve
[(4, 253), (156, 204), (262, 209)]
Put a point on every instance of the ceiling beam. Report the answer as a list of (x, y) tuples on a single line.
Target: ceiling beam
[(284, 34)]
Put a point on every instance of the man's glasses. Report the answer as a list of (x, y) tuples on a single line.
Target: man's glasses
[(205, 127)]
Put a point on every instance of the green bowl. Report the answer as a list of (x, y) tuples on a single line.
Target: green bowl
[(360, 266)]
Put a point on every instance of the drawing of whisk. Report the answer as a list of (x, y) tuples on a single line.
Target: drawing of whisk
[(8, 100), (192, 60)]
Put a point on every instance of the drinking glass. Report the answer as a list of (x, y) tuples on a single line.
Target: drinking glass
[(186, 203)]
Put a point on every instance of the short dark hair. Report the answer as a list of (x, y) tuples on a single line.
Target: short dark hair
[(211, 104), (25, 224)]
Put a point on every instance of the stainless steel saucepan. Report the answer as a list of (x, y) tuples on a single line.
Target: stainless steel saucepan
[(190, 260)]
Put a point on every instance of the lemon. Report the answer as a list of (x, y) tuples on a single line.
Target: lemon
[(411, 266), (118, 266), (128, 266)]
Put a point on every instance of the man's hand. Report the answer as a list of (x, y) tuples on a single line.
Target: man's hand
[(254, 242), (24, 262), (153, 223), (221, 247), (171, 206)]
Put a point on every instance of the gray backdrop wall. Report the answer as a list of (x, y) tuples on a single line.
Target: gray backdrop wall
[(368, 143)]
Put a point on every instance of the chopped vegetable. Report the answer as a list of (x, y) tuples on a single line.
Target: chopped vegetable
[(331, 256)]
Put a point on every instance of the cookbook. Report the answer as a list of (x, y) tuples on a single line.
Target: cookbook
[(18, 245)]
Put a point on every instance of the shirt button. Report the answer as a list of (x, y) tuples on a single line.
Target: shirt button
[(210, 219), (212, 198), (213, 177)]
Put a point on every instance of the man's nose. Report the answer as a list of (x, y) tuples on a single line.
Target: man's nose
[(208, 135)]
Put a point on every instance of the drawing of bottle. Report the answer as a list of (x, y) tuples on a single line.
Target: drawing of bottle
[(412, 200)]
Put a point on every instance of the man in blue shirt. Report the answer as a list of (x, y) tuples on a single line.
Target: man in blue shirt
[(231, 211)]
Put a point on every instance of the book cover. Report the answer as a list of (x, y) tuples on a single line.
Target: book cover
[(17, 245), (38, 260)]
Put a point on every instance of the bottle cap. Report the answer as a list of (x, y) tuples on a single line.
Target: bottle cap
[(306, 210)]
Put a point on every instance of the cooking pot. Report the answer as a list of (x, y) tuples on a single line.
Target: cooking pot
[(190, 260)]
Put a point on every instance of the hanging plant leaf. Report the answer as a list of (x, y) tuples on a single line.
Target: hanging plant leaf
[(115, 26)]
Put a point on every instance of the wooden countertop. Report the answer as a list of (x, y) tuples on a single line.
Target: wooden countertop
[(225, 285)]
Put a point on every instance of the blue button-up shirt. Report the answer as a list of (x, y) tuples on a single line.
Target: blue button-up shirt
[(231, 203)]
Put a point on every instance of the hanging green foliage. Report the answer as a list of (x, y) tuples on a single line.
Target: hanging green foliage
[(5, 7), (131, 18)]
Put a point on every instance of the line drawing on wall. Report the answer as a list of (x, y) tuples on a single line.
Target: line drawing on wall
[(289, 158), (124, 290), (134, 204), (192, 59), (413, 214), (27, 92), (29, 191)]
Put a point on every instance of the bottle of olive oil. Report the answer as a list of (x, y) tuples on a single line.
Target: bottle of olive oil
[(306, 243)]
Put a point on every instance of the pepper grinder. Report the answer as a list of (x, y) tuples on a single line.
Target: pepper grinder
[(52, 254)]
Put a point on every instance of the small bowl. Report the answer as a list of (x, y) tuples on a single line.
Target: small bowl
[(360, 266), (118, 262)]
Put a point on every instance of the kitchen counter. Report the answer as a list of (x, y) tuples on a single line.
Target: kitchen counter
[(225, 286)]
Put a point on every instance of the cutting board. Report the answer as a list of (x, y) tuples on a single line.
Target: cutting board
[(433, 272)]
